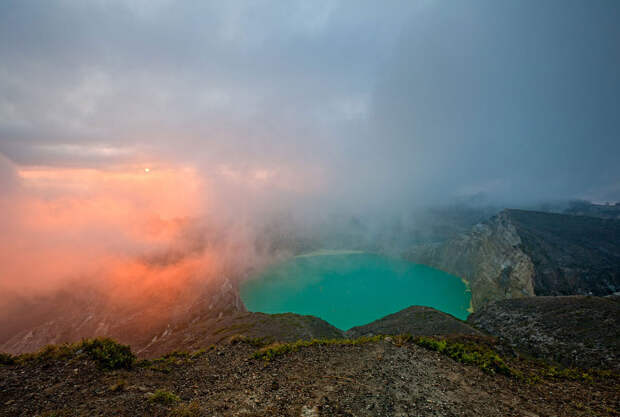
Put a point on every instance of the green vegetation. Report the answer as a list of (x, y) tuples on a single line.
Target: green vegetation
[(49, 352), (479, 353), (164, 397), (186, 410), (159, 366), (198, 353), (162, 364), (108, 353), (471, 350), (545, 371), (566, 373), (468, 353), (7, 359), (276, 349), (177, 357)]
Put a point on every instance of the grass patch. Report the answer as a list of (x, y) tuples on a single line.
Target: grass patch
[(176, 354), (7, 359), (50, 352), (164, 397), (162, 367), (469, 353), (542, 370), (198, 353), (173, 358), (186, 410), (276, 349), (108, 353), (479, 352), (572, 374)]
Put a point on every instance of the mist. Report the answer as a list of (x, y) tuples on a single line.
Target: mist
[(147, 145)]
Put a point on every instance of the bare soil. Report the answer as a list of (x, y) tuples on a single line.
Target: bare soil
[(372, 379)]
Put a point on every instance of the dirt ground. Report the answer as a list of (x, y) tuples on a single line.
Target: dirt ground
[(372, 379)]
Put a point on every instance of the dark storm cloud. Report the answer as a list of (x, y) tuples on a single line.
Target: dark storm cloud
[(392, 101)]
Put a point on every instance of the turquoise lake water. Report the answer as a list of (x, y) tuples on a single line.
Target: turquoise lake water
[(351, 289)]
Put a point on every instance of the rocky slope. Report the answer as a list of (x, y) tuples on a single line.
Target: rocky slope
[(201, 333), (377, 378), (521, 253), (416, 321), (203, 330), (225, 374), (83, 313), (574, 331)]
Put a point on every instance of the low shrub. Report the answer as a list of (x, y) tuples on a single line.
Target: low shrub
[(164, 397), (7, 359), (49, 352), (108, 353), (176, 354)]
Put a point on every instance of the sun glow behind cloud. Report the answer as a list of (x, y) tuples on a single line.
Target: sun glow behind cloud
[(138, 231), (166, 192), (120, 228)]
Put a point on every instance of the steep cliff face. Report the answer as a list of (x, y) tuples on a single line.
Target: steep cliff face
[(489, 257), (523, 253)]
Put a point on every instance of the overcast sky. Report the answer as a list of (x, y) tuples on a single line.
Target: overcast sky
[(383, 101)]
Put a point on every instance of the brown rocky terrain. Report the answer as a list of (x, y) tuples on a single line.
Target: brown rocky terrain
[(235, 368), (377, 378)]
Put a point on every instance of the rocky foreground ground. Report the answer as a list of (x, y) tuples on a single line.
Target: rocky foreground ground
[(380, 376)]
